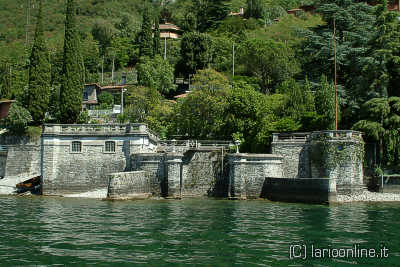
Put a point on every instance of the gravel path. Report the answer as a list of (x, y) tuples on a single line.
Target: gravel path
[(369, 197)]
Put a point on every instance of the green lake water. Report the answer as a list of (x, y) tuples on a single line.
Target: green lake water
[(44, 231)]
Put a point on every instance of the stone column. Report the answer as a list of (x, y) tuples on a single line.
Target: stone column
[(174, 174), (237, 176)]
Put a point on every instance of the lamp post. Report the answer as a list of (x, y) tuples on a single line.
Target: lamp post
[(122, 100), (237, 143)]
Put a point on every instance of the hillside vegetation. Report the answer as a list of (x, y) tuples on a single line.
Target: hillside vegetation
[(280, 79)]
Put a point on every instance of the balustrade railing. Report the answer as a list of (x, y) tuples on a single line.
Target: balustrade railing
[(338, 134), (100, 113), (187, 144), (290, 137)]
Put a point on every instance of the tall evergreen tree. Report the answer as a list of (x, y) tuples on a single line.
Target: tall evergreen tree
[(325, 104), (72, 81), (210, 13), (156, 39), (38, 93), (146, 43), (255, 9)]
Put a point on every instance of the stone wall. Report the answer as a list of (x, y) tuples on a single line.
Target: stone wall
[(23, 161), (307, 190), (129, 185), (338, 155), (248, 171), (195, 173), (3, 161), (202, 173), (20, 160), (153, 164), (295, 151), (67, 172), (391, 184)]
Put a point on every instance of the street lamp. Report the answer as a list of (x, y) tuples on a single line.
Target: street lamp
[(122, 100), (237, 143)]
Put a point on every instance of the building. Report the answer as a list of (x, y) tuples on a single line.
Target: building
[(93, 90), (169, 31), (240, 13)]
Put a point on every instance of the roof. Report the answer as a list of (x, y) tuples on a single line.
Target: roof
[(168, 26), (93, 84)]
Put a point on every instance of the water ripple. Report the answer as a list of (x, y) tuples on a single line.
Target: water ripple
[(41, 231)]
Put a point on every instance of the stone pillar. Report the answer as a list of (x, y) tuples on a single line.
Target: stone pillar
[(153, 163), (237, 176), (174, 174), (338, 155), (49, 165)]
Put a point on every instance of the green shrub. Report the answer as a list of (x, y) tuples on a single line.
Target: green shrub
[(17, 120)]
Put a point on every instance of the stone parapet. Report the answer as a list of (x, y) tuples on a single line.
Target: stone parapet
[(248, 171), (99, 130), (294, 148)]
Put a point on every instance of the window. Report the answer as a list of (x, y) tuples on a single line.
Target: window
[(76, 147), (85, 96), (110, 147)]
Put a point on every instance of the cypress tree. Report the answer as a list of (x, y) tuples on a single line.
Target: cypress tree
[(156, 39), (146, 44), (39, 74), (72, 80)]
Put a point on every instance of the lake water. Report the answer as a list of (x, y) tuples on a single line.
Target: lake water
[(44, 231)]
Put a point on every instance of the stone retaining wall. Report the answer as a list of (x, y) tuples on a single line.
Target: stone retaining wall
[(20, 159), (195, 173), (3, 162), (391, 184), (129, 185), (295, 152), (306, 190), (153, 163), (248, 171)]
